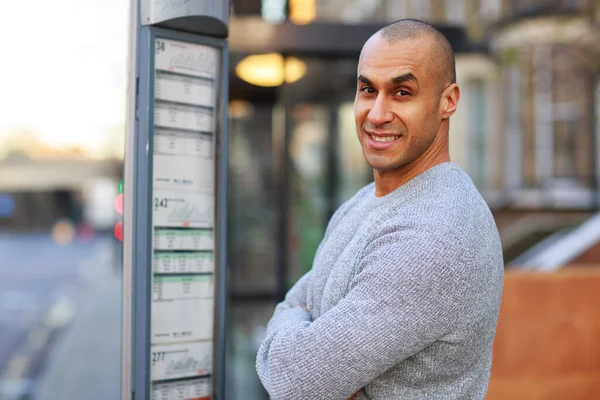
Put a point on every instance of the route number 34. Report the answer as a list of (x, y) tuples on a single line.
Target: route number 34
[(160, 46)]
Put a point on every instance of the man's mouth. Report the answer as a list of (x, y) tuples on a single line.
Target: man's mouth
[(383, 139)]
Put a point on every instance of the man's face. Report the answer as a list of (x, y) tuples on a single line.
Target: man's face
[(397, 102)]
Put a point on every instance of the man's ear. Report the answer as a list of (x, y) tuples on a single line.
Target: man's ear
[(449, 100)]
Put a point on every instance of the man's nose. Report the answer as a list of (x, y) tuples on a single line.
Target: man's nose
[(379, 114)]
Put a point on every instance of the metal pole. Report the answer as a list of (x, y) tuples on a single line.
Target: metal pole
[(283, 186), (128, 171), (333, 175)]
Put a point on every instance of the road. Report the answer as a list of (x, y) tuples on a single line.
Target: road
[(41, 285)]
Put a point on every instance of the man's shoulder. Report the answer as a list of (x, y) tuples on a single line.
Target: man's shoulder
[(451, 196), (446, 206), (348, 205), (358, 197), (361, 194)]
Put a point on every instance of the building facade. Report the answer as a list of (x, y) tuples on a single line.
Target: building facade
[(548, 57)]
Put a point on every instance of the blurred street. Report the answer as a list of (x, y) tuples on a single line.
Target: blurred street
[(43, 288), (86, 362)]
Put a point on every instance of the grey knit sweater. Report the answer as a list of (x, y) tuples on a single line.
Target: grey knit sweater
[(403, 299)]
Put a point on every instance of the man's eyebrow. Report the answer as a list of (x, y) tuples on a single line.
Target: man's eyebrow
[(365, 80), (409, 77)]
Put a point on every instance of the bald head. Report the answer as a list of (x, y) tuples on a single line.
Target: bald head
[(441, 53)]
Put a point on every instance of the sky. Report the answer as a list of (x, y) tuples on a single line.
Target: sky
[(63, 70)]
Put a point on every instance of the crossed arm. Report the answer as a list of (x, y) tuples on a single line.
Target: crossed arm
[(398, 304), (294, 299)]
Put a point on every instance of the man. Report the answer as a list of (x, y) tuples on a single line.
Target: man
[(402, 300)]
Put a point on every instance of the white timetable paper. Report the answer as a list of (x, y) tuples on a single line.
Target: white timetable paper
[(183, 239), (182, 319), (182, 307), (183, 262), (190, 174), (181, 143), (184, 89), (182, 209), (180, 116), (183, 360), (182, 287), (193, 389), (186, 58), (183, 213)]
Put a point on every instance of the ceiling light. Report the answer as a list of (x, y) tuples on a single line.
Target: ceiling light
[(270, 69), (302, 11)]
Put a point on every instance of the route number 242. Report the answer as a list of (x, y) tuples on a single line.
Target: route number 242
[(162, 203)]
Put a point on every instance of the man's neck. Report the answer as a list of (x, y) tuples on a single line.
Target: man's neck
[(388, 181)]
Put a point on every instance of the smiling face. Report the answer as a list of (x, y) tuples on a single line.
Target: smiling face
[(400, 108)]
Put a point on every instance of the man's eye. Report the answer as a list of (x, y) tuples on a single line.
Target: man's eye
[(367, 90), (402, 93)]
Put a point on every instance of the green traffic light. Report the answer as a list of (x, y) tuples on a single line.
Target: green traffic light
[(121, 187)]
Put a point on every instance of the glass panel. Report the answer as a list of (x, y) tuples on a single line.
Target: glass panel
[(420, 9), (557, 5), (397, 9), (513, 159), (308, 197), (456, 11), (309, 104), (565, 133), (490, 9), (360, 11), (252, 209), (477, 130), (571, 94), (246, 331), (354, 172)]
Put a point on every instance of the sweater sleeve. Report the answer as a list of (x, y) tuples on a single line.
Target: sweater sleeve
[(406, 296), (294, 299)]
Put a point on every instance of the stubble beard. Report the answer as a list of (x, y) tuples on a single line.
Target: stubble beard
[(381, 162), (406, 154)]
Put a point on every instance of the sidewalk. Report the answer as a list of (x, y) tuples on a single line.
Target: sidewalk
[(86, 361)]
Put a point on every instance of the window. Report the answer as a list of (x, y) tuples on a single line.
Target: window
[(571, 93), (514, 132), (396, 9), (565, 135), (490, 9), (477, 120), (543, 81), (456, 12), (597, 150), (420, 9)]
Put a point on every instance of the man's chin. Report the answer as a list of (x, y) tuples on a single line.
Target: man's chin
[(382, 164)]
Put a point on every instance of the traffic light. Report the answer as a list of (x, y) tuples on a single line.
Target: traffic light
[(119, 205)]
